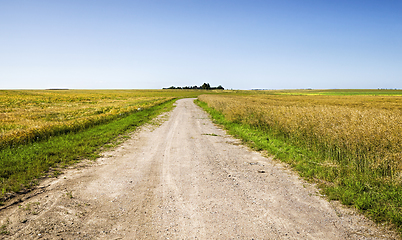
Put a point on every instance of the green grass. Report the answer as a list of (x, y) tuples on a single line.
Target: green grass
[(21, 166), (342, 92), (312, 92), (323, 92), (381, 200)]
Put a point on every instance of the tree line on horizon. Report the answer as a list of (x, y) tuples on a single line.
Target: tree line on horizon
[(204, 86)]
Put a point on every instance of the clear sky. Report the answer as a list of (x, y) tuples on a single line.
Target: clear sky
[(282, 44)]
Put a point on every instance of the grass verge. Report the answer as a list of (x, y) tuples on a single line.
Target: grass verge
[(381, 200), (21, 166)]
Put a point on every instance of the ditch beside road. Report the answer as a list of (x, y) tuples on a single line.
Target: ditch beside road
[(182, 179)]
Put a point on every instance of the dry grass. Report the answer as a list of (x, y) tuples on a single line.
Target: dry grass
[(26, 116), (363, 132), (351, 145)]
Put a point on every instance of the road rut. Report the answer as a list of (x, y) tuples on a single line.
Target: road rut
[(184, 179)]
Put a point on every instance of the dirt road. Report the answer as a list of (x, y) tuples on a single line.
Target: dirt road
[(184, 179)]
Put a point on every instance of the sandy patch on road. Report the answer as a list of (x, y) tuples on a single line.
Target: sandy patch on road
[(184, 179)]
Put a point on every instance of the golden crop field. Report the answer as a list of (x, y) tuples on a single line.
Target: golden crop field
[(362, 132), (30, 115)]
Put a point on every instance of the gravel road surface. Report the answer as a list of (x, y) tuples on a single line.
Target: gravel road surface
[(182, 179)]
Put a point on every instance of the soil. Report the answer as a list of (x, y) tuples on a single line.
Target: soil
[(183, 178)]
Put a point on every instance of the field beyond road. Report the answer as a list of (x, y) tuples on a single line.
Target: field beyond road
[(183, 179)]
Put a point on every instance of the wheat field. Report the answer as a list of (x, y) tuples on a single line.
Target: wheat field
[(27, 116), (362, 132)]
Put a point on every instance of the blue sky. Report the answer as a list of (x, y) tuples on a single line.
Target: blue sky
[(149, 44)]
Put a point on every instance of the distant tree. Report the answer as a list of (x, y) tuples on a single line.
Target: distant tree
[(206, 86)]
